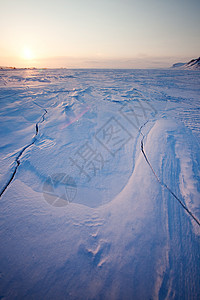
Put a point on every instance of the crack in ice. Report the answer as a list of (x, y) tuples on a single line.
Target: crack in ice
[(22, 151), (164, 184)]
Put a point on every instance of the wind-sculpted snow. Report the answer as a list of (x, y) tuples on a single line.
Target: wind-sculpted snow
[(82, 214), (189, 183)]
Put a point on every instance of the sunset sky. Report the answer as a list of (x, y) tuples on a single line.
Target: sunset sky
[(98, 34)]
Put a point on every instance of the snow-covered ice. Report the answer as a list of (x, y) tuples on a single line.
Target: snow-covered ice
[(83, 216)]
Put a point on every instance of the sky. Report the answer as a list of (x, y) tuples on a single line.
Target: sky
[(98, 34)]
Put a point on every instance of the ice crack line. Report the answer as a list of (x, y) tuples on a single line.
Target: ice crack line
[(22, 151), (165, 185)]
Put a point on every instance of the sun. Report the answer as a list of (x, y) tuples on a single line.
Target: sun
[(27, 53)]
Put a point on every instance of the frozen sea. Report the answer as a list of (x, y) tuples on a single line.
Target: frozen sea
[(100, 184)]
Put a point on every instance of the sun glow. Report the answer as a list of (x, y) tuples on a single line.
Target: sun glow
[(27, 54)]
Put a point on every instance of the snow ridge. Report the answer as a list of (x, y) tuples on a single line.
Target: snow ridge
[(165, 185)]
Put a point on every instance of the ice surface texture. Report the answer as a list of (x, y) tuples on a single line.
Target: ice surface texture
[(84, 216)]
